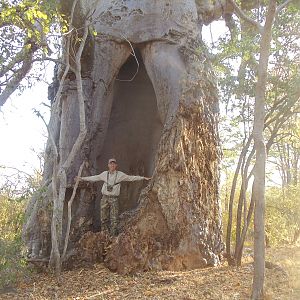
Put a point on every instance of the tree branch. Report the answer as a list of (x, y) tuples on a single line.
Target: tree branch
[(136, 59), (83, 131), (56, 224), (243, 16), (13, 84), (282, 6), (70, 211)]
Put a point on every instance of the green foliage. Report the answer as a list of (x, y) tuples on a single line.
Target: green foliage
[(282, 214), (13, 266), (225, 194), (11, 217), (236, 58), (30, 32), (12, 262), (15, 190)]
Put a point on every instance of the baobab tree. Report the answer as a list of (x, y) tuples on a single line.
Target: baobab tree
[(136, 84)]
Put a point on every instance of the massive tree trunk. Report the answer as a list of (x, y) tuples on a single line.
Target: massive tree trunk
[(156, 112)]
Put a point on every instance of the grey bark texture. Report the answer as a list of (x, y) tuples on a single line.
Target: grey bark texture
[(261, 155), (161, 124)]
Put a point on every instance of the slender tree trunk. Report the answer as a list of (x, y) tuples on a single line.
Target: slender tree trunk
[(231, 200), (295, 165), (247, 215), (241, 207), (58, 201), (259, 171), (244, 231), (247, 176)]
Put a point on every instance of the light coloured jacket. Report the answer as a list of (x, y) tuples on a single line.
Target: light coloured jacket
[(114, 179)]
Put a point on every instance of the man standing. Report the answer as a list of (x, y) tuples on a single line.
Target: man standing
[(109, 206)]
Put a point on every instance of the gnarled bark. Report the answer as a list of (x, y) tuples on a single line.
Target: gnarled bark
[(161, 123)]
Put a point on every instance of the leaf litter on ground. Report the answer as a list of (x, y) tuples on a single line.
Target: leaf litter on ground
[(223, 282)]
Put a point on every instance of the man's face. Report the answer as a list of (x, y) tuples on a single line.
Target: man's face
[(112, 166)]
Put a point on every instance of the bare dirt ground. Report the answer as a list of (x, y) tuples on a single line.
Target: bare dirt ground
[(282, 282)]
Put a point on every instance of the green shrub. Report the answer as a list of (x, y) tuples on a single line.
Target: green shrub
[(12, 263), (282, 214)]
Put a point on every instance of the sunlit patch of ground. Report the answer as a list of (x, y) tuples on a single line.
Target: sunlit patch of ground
[(289, 259), (282, 282)]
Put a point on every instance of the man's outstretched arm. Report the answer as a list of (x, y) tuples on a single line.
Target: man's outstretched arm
[(95, 178), (125, 177)]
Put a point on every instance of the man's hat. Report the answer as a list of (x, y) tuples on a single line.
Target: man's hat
[(112, 160)]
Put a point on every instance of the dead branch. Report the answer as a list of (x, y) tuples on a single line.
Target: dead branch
[(70, 211), (81, 98), (136, 59)]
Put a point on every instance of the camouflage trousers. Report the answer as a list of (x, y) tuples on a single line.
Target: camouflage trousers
[(109, 214)]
